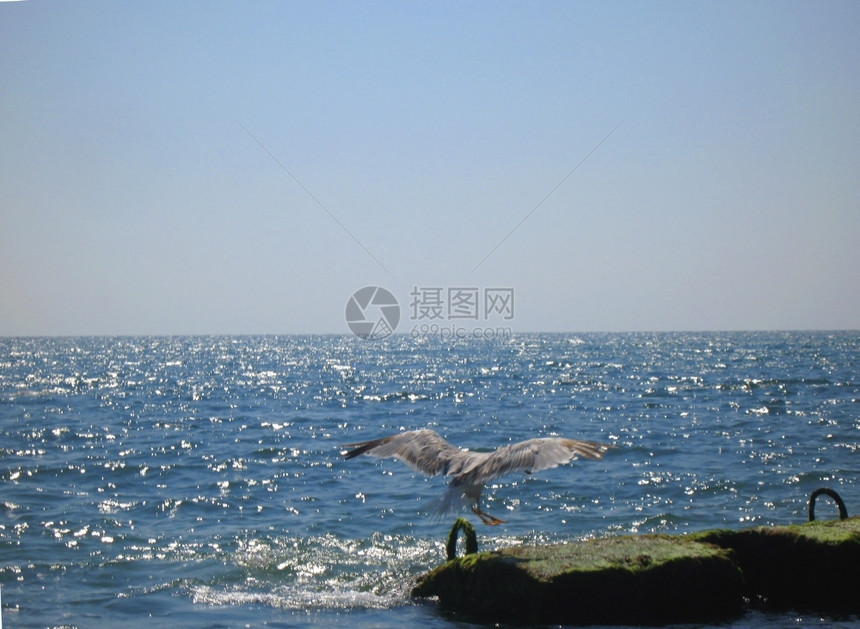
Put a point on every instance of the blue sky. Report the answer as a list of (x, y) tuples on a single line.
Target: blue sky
[(244, 167)]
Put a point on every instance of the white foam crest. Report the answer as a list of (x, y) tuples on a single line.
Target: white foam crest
[(326, 572), (295, 598)]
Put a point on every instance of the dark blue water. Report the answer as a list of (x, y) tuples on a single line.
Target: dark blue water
[(197, 481)]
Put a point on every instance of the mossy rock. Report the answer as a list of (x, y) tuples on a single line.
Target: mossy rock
[(811, 566), (648, 579)]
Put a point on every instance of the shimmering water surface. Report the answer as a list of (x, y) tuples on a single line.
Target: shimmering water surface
[(197, 481)]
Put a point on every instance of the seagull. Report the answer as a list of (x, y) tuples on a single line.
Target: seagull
[(426, 452)]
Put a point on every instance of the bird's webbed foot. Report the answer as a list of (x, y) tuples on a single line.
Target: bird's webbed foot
[(486, 518)]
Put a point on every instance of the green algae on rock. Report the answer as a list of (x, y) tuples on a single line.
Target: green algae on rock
[(814, 566), (648, 579)]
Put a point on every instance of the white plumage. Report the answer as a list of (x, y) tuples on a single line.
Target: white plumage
[(426, 452)]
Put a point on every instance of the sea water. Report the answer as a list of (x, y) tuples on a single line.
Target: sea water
[(198, 481)]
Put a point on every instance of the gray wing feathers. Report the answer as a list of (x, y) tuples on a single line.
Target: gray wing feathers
[(533, 455), (427, 452), (422, 450)]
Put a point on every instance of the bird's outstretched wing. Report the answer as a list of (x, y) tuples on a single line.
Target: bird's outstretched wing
[(422, 450), (531, 456), (426, 452)]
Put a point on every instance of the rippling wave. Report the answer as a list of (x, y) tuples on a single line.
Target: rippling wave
[(200, 478)]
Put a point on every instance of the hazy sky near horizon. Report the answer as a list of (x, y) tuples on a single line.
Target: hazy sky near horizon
[(243, 167)]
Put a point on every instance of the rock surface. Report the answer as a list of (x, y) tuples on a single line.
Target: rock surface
[(812, 566), (657, 579), (648, 579)]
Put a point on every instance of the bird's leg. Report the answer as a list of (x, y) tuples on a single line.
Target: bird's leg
[(486, 518)]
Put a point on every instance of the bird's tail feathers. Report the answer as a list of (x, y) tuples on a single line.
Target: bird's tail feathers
[(452, 501)]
